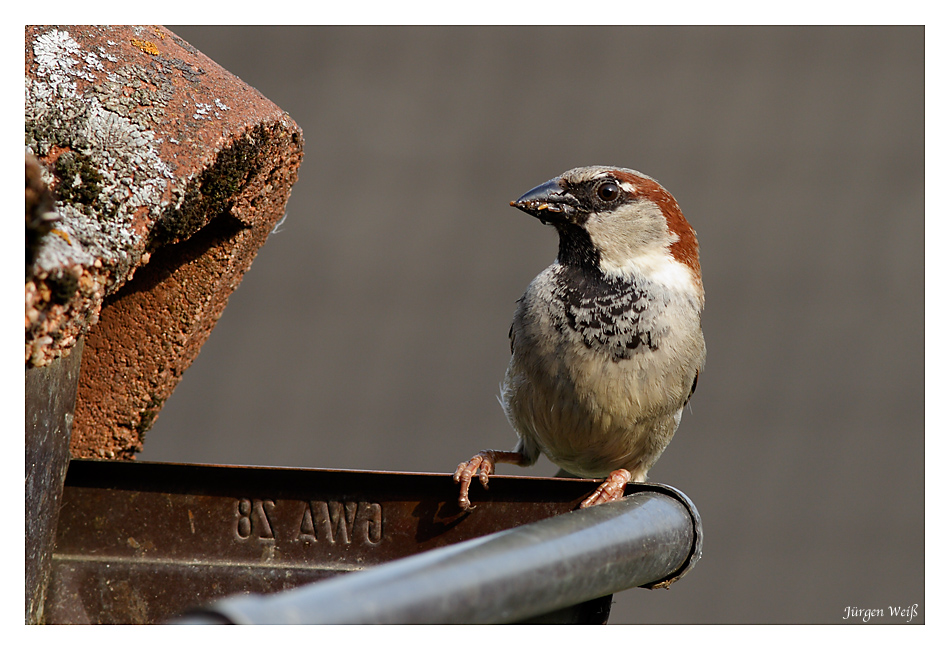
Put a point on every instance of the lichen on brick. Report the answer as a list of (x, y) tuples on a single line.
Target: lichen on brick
[(105, 167), (79, 182), (211, 193), (136, 92), (146, 46), (105, 151), (160, 164)]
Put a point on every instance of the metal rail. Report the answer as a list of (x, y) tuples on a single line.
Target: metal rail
[(143, 542), (650, 538)]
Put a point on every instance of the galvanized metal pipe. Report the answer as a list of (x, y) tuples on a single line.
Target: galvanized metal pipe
[(649, 538)]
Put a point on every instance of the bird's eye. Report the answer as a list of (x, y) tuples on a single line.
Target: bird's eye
[(608, 191)]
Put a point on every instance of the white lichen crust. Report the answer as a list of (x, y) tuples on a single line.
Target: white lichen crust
[(92, 119)]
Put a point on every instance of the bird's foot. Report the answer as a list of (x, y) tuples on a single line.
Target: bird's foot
[(482, 464), (610, 490)]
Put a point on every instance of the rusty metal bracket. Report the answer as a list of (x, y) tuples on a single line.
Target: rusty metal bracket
[(143, 542)]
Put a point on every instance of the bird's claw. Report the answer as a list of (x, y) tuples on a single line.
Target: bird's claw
[(610, 490), (481, 464)]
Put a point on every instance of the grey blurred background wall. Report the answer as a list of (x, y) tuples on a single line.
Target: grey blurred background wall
[(371, 330)]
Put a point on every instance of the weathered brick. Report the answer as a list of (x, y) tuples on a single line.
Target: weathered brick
[(168, 174)]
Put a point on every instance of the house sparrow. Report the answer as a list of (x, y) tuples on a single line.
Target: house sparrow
[(606, 343)]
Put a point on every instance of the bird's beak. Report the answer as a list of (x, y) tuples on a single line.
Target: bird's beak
[(548, 202)]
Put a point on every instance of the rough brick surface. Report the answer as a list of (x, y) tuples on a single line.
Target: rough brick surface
[(168, 174)]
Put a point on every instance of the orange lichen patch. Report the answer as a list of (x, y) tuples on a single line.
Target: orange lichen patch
[(145, 46), (61, 234)]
